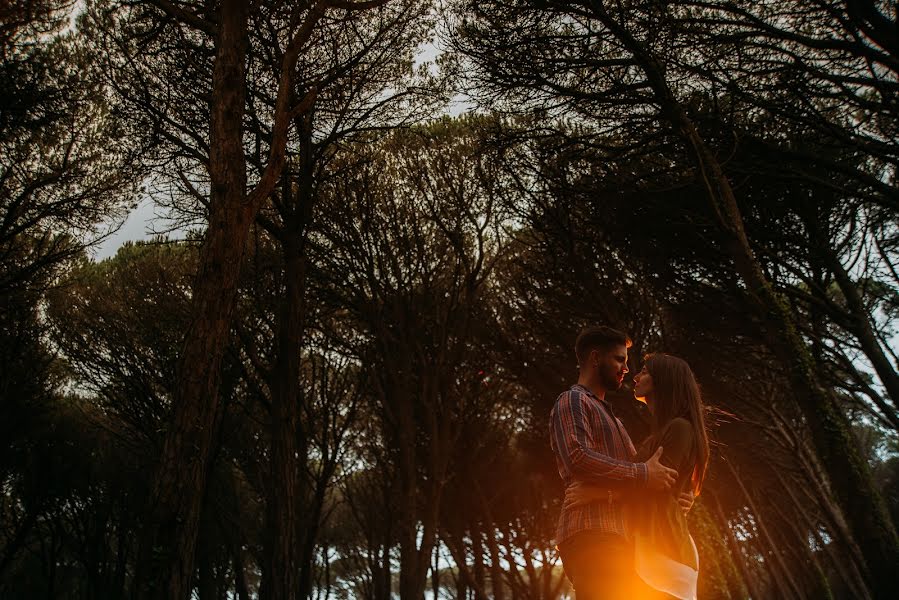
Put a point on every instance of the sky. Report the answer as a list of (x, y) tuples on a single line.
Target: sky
[(143, 220), (138, 226)]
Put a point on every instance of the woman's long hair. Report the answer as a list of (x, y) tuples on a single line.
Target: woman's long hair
[(676, 394)]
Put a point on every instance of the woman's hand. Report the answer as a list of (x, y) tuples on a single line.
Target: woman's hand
[(685, 501), (579, 494)]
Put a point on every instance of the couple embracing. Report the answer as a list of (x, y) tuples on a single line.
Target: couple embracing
[(622, 534)]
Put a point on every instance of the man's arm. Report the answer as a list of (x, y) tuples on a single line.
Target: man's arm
[(573, 440)]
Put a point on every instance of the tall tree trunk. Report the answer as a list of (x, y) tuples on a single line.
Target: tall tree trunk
[(415, 548), (811, 578), (831, 433), (399, 415), (836, 520), (435, 573), (410, 586), (477, 551), (168, 541), (382, 579), (287, 439), (455, 543), (283, 498), (842, 546), (497, 585), (240, 578), (736, 553), (837, 561), (787, 587), (205, 573), (121, 560), (294, 248)]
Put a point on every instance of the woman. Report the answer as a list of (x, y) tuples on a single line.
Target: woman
[(665, 558)]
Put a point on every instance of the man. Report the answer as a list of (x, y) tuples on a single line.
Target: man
[(592, 446)]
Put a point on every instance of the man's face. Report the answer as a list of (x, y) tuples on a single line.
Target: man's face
[(611, 366)]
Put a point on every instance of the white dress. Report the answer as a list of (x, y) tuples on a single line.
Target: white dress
[(664, 574)]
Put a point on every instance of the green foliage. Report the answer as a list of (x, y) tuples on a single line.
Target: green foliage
[(119, 325), (446, 266), (68, 164)]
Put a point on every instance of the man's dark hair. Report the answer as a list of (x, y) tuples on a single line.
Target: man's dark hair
[(600, 338)]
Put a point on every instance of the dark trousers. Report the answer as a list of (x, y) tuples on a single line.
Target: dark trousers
[(600, 566)]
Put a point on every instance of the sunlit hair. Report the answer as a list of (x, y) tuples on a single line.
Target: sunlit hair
[(600, 338), (676, 394)]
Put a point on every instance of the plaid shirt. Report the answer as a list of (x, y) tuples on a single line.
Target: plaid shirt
[(591, 445)]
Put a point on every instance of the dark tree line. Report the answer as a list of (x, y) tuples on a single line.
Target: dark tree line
[(337, 384)]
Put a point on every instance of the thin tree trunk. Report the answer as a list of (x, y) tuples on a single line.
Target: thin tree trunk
[(497, 585), (832, 513), (415, 549), (736, 553), (793, 590), (836, 560), (435, 573), (801, 550), (240, 578), (839, 561), (297, 217), (823, 259), (477, 552), (205, 574), (865, 335), (816, 480), (466, 579), (122, 544), (410, 587)]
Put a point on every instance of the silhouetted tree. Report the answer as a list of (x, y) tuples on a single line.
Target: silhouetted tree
[(621, 70)]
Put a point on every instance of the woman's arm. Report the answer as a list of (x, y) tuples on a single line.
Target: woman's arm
[(580, 494), (677, 444)]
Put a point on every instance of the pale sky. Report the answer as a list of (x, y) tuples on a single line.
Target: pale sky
[(140, 223)]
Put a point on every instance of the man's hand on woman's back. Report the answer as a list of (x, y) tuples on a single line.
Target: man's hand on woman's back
[(660, 477)]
